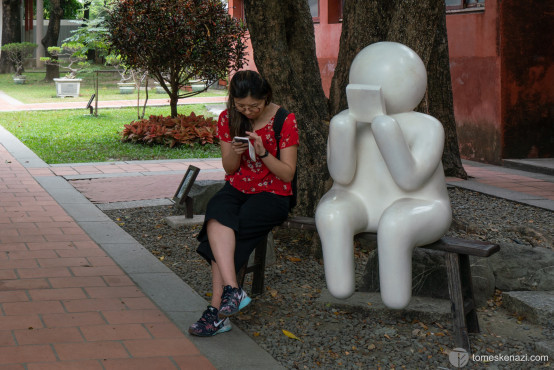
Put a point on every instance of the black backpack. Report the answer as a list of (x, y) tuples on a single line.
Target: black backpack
[(278, 122)]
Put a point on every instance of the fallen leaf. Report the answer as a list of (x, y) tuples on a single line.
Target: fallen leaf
[(273, 293), (293, 259), (256, 334), (162, 258), (290, 335)]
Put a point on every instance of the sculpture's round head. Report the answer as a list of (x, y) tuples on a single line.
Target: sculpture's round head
[(397, 69)]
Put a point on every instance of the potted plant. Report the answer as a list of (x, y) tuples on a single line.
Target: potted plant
[(126, 83), (72, 57), (16, 53), (197, 85)]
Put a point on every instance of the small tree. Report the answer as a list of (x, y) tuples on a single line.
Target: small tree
[(17, 52), (70, 56), (177, 41)]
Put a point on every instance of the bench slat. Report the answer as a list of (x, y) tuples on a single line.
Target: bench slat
[(447, 244), (461, 246)]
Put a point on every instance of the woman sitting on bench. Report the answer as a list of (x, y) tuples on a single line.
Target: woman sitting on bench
[(254, 199)]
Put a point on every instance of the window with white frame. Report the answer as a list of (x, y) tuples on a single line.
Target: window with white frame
[(314, 9), (463, 4)]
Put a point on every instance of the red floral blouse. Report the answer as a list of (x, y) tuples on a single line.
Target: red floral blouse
[(253, 176)]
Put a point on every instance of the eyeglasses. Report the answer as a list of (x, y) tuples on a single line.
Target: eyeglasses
[(249, 107)]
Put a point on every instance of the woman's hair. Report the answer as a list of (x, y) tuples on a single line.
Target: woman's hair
[(245, 84)]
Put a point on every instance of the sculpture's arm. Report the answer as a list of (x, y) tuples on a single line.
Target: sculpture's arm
[(341, 148), (410, 164)]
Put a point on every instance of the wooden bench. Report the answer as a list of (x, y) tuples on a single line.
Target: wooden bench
[(456, 252)]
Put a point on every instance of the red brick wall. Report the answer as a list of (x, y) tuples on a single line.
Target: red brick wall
[(527, 45), (476, 83)]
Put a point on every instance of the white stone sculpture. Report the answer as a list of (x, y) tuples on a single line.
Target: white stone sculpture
[(385, 160)]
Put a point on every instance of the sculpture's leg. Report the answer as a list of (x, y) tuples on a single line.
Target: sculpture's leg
[(339, 216), (405, 224)]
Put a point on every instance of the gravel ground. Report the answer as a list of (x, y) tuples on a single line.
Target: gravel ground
[(329, 337)]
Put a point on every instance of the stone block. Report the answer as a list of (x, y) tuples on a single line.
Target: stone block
[(536, 306)]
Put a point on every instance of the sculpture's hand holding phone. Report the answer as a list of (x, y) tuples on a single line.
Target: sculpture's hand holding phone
[(365, 102)]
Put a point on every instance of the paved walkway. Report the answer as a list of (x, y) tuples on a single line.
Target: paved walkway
[(146, 180), (8, 103), (64, 302), (77, 292)]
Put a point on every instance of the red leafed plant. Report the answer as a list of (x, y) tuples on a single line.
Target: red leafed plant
[(171, 131)]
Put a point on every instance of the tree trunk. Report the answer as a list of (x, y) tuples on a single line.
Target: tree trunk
[(363, 23), (51, 37), (91, 54), (420, 25), (11, 29), (282, 35), (284, 52), (440, 100)]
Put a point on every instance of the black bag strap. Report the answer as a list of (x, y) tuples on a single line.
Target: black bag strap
[(278, 122)]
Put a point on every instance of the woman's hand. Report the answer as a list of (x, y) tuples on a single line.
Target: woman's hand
[(256, 140), (239, 147)]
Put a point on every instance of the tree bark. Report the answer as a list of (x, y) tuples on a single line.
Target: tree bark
[(51, 37), (363, 23), (91, 54), (440, 99), (420, 25), (11, 29), (284, 52), (283, 40)]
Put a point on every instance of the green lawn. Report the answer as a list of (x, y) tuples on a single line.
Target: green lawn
[(70, 136), (35, 90)]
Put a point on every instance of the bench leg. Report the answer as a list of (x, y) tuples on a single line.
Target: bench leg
[(470, 311), (259, 261), (455, 281), (257, 268)]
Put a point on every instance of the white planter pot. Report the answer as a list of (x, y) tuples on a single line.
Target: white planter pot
[(126, 87), (68, 87), (198, 87), (19, 80), (159, 88)]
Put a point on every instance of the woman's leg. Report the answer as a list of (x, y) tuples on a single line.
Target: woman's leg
[(217, 286), (222, 242)]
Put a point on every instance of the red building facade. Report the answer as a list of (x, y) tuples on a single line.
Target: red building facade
[(502, 70)]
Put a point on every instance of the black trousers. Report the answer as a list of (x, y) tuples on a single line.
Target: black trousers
[(251, 216)]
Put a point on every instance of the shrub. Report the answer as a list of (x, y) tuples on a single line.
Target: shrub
[(171, 131), (17, 52), (177, 41), (70, 56)]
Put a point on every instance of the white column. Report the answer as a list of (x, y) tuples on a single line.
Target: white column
[(38, 32)]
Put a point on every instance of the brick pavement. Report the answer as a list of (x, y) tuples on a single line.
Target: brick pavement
[(64, 303)]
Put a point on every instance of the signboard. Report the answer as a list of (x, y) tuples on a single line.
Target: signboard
[(181, 195)]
